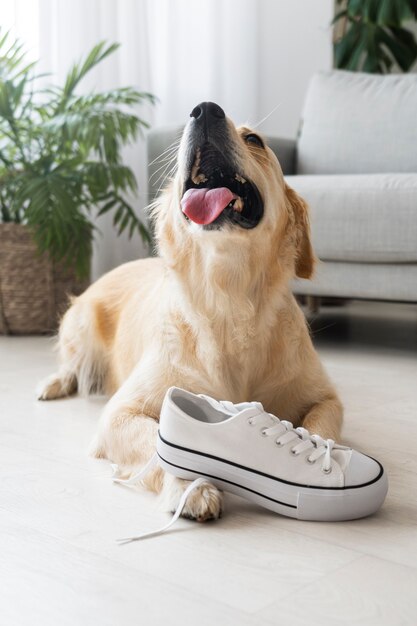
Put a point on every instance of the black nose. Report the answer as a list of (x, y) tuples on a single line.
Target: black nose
[(207, 112)]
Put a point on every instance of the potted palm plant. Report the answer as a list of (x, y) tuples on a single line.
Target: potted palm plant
[(60, 167)]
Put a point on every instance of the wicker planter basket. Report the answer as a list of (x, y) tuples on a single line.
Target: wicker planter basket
[(33, 291)]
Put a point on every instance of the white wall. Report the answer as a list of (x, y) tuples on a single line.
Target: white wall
[(295, 41)]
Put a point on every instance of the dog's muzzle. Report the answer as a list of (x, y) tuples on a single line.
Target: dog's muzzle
[(216, 192)]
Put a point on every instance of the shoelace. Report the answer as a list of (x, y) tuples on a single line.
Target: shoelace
[(284, 432), (320, 447), (153, 461)]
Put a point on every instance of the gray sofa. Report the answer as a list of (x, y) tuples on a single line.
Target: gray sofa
[(355, 162)]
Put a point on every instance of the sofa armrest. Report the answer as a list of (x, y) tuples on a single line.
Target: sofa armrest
[(158, 141), (285, 150)]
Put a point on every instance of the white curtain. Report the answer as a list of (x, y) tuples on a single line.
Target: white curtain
[(183, 51)]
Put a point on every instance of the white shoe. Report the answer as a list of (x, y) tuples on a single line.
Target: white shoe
[(245, 450)]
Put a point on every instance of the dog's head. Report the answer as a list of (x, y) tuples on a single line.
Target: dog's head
[(229, 191)]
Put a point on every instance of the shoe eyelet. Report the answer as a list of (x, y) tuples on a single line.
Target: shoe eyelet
[(250, 421), (263, 432), (294, 452), (278, 443), (310, 461), (326, 471)]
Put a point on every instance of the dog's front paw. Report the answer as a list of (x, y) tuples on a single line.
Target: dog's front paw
[(204, 503)]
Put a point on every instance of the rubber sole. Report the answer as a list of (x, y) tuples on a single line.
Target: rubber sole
[(299, 502)]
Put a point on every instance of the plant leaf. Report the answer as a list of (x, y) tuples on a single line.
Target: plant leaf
[(345, 47), (79, 70), (402, 45)]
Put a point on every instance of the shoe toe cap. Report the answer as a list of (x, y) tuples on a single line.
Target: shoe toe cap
[(361, 470)]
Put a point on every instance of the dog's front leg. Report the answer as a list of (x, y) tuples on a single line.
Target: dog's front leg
[(127, 436), (325, 418)]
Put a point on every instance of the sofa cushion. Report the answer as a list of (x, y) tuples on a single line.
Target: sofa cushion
[(372, 281), (362, 218), (356, 123)]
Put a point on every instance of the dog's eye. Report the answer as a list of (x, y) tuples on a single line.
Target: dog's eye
[(255, 140)]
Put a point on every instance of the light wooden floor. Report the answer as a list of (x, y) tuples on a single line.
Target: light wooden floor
[(60, 513)]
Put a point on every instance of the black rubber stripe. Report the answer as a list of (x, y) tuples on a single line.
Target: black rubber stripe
[(224, 480), (280, 480)]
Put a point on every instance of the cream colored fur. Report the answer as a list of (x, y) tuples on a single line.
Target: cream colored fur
[(213, 314)]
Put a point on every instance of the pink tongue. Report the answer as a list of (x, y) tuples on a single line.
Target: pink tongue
[(204, 205)]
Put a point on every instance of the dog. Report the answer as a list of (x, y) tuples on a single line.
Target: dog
[(213, 313)]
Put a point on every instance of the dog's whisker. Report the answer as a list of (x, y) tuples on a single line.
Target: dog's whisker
[(173, 144), (165, 155), (173, 147), (167, 159), (266, 116), (163, 177), (164, 166), (169, 175), (170, 171)]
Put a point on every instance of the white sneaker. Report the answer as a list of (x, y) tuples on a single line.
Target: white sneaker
[(245, 450)]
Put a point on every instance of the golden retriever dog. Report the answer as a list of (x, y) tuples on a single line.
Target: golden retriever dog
[(213, 313)]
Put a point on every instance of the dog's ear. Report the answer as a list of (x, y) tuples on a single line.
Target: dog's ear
[(305, 258)]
